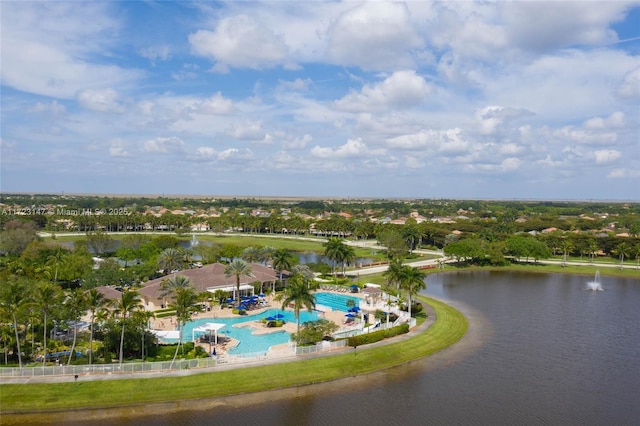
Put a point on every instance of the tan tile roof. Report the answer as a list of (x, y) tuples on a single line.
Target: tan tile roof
[(209, 276), (109, 293)]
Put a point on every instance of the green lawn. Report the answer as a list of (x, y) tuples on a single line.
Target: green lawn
[(450, 326)]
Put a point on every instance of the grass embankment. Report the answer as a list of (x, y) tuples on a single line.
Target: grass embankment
[(449, 327)]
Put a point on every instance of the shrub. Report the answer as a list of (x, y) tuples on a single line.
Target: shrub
[(376, 336)]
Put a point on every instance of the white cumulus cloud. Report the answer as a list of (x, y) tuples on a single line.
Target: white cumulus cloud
[(352, 149), (163, 145), (239, 42), (606, 156), (400, 90), (102, 100)]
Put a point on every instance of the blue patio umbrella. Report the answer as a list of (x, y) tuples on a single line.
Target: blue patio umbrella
[(269, 319), (261, 295), (229, 300), (278, 316), (350, 315), (354, 286), (354, 309)]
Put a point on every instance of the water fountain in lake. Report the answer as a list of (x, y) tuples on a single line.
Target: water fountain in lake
[(595, 284), (194, 240)]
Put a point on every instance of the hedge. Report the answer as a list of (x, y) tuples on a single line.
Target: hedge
[(376, 336)]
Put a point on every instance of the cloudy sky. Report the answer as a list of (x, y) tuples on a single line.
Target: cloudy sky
[(420, 99)]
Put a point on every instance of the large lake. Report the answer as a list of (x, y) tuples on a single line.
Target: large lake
[(541, 350)]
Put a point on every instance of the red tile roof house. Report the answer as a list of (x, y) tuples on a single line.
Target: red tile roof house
[(208, 278)]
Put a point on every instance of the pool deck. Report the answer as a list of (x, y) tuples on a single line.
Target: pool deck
[(169, 323)]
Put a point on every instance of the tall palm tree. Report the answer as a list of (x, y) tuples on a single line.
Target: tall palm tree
[(593, 249), (394, 273), (128, 303), (347, 257), (170, 259), (412, 281), (54, 261), (621, 250), (14, 298), (185, 299), (283, 260), (298, 293), (76, 305), (46, 297), (142, 317), (238, 268), (567, 248), (334, 250), (6, 337), (96, 302)]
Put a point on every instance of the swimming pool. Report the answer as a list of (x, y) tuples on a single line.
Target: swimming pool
[(337, 302), (249, 342)]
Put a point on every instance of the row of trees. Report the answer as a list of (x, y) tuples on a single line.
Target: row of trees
[(525, 247), (36, 308), (39, 318)]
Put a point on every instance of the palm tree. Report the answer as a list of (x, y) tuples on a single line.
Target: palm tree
[(55, 259), (298, 293), (6, 337), (185, 299), (334, 250), (142, 318), (283, 260), (348, 256), (128, 303), (593, 249), (46, 297), (220, 296), (567, 248), (238, 268), (621, 250), (251, 254), (170, 259), (76, 306), (394, 273), (14, 298), (412, 281), (96, 302), (168, 286), (266, 254)]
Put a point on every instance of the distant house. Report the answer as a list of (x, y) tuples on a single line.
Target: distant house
[(208, 278), (109, 292)]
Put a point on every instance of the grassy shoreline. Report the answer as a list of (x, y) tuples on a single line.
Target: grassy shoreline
[(450, 326)]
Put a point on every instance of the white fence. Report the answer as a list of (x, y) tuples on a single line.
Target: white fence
[(128, 368), (146, 367)]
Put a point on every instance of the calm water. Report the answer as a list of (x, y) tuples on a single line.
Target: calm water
[(540, 351)]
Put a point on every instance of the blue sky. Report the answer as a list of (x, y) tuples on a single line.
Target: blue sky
[(345, 99)]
